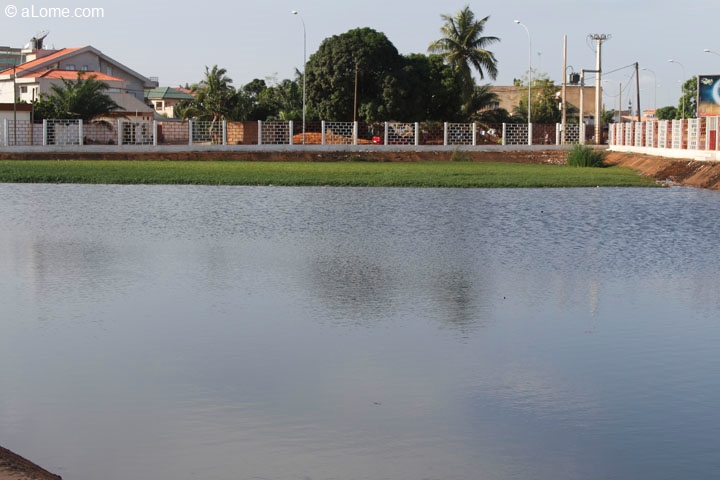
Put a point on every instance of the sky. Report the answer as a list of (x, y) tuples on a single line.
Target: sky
[(174, 41)]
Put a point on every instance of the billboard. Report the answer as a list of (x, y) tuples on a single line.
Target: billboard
[(708, 96)]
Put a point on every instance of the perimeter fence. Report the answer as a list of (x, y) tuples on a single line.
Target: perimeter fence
[(167, 132)]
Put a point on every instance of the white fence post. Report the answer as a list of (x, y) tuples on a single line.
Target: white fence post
[(260, 132), (504, 132), (45, 132), (355, 133), (417, 134), (530, 132), (322, 132), (190, 132), (155, 135), (6, 142), (80, 132), (445, 133), (119, 132), (387, 132), (224, 132), (474, 133)]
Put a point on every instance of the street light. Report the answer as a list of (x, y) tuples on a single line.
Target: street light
[(529, 81), (707, 50), (655, 85), (294, 12), (682, 84)]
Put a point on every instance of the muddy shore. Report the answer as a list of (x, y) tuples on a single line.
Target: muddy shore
[(692, 173), (15, 467)]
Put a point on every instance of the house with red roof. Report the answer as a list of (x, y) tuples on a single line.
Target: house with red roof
[(43, 68)]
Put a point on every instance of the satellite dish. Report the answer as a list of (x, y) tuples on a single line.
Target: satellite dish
[(37, 40)]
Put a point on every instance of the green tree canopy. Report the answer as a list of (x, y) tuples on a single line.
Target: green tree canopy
[(666, 113), (428, 89), (545, 108), (464, 47), (82, 99), (214, 96), (331, 73), (688, 100)]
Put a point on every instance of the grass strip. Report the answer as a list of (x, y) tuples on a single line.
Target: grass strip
[(348, 174)]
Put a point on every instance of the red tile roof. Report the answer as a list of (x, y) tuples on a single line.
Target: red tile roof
[(28, 67), (73, 74)]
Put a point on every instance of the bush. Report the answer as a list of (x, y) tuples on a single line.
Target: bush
[(584, 156), (459, 156)]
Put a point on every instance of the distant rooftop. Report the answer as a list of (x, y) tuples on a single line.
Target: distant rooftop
[(164, 93)]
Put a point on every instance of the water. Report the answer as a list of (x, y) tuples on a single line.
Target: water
[(161, 332)]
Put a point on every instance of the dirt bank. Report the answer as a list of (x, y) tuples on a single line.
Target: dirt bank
[(693, 173), (15, 467), (371, 154)]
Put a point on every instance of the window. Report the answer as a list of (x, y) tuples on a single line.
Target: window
[(70, 67), (108, 70), (23, 89), (158, 105), (84, 68)]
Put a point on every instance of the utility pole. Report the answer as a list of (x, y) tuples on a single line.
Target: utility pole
[(637, 88), (582, 104), (599, 39), (15, 102), (564, 92)]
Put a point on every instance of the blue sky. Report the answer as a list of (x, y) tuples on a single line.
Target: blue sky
[(261, 38)]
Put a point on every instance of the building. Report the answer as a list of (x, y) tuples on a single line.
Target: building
[(20, 111), (164, 99), (43, 68), (510, 96)]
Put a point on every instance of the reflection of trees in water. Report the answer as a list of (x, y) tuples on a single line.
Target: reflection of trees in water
[(363, 290), (355, 290), (457, 295)]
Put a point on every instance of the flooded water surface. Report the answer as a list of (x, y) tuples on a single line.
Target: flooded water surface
[(164, 332)]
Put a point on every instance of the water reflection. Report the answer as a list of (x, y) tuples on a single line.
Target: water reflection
[(400, 333)]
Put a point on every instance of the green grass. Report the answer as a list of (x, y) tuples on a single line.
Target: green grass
[(351, 174), (584, 156)]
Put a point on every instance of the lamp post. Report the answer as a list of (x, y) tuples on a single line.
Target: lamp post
[(529, 107), (682, 84), (295, 12), (707, 50), (654, 85)]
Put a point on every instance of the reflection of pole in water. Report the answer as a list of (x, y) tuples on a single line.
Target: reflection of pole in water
[(594, 305)]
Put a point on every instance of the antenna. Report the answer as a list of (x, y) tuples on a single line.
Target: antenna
[(37, 40)]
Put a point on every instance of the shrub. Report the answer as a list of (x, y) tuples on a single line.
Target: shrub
[(459, 156), (584, 156)]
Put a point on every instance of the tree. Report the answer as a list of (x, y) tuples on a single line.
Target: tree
[(428, 89), (608, 116), (484, 107), (362, 53), (666, 113), (688, 100), (83, 99), (545, 108), (214, 96), (463, 46)]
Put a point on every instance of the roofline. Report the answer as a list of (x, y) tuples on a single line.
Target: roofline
[(72, 53)]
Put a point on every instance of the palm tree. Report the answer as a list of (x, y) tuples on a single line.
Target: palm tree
[(82, 99), (464, 47), (213, 98)]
